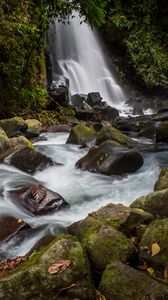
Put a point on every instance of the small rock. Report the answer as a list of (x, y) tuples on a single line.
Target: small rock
[(34, 128), (13, 125), (93, 99), (81, 134), (162, 182)]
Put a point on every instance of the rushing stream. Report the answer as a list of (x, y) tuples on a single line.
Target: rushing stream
[(86, 192)]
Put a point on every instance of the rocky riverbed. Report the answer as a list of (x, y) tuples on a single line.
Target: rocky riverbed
[(115, 250)]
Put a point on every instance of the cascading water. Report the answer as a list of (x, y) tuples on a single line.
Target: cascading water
[(78, 61)]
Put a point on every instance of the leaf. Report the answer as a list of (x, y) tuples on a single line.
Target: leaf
[(99, 296), (68, 287), (166, 273), (155, 249), (150, 271), (59, 266)]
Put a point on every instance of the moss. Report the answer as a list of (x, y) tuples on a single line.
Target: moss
[(162, 182), (111, 133), (32, 278), (49, 117)]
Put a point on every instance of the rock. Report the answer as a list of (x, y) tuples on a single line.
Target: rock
[(121, 282), (81, 134), (162, 182), (126, 124), (155, 233), (60, 128), (34, 281), (59, 96), (9, 227), (118, 216), (108, 113), (4, 141), (13, 125), (34, 128), (147, 129), (155, 203), (20, 141), (111, 133), (77, 100), (107, 244), (161, 132), (93, 99), (29, 160), (39, 200), (87, 115), (109, 159)]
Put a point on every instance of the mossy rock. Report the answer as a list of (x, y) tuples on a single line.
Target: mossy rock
[(155, 203), (4, 141), (81, 134), (50, 117), (118, 216), (20, 141), (106, 245), (34, 128), (162, 182), (33, 281), (156, 233), (111, 133), (121, 282), (13, 125)]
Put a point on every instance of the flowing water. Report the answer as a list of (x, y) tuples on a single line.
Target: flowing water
[(78, 61), (86, 192)]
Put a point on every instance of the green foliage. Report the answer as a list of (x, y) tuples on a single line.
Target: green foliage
[(140, 28), (34, 97)]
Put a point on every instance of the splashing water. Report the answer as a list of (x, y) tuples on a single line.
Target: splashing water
[(78, 61)]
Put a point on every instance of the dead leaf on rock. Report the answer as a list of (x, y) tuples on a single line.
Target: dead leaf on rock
[(59, 266), (151, 271), (68, 287), (155, 249)]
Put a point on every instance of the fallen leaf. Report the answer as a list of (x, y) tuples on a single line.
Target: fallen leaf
[(155, 249), (20, 220), (59, 266), (68, 287), (166, 273), (150, 271)]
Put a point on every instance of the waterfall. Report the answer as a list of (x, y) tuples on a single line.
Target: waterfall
[(79, 63)]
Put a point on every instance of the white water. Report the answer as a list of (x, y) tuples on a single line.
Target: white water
[(86, 192), (78, 60)]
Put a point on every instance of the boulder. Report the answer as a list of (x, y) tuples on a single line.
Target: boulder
[(111, 133), (155, 203), (161, 132), (126, 124), (93, 99), (121, 282), (155, 235), (38, 200), (87, 115), (34, 128), (13, 126), (107, 244), (108, 113), (147, 129), (59, 128), (118, 216), (109, 159), (28, 160), (81, 134), (77, 100), (162, 182), (59, 271)]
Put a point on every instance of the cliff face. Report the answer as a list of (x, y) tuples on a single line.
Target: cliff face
[(138, 30), (22, 54)]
